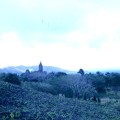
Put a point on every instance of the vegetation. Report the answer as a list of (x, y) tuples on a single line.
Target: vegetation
[(60, 96), (81, 71), (11, 78)]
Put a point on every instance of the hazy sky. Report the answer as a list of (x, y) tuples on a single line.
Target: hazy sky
[(70, 34)]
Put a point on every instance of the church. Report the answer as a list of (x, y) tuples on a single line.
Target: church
[(35, 75)]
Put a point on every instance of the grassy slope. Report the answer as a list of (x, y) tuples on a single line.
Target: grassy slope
[(20, 103)]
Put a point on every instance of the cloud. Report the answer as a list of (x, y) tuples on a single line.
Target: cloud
[(103, 22), (10, 49), (68, 34), (48, 16), (14, 51), (77, 49)]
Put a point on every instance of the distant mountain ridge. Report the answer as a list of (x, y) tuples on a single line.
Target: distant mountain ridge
[(22, 69)]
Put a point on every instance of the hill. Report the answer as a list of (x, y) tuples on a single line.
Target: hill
[(21, 102), (21, 69)]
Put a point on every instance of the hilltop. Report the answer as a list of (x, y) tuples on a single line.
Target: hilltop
[(22, 69)]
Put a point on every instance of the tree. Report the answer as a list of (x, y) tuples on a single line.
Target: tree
[(80, 87), (98, 81), (12, 78), (2, 76), (81, 71), (58, 74), (113, 81)]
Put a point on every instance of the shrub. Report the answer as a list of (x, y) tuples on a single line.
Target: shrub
[(59, 74), (12, 78), (2, 76), (42, 87), (23, 77), (60, 85), (98, 81)]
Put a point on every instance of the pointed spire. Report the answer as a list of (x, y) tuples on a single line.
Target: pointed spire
[(40, 67)]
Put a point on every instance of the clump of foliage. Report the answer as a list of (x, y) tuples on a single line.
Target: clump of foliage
[(98, 81), (81, 71), (39, 86), (58, 74), (73, 86), (12, 78), (102, 82)]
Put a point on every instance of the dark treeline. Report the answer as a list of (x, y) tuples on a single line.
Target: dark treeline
[(88, 86)]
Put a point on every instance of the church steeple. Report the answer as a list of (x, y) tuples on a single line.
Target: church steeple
[(40, 67)]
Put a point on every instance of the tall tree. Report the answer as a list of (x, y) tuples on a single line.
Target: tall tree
[(81, 71)]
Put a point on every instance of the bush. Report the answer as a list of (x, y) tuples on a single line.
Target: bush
[(98, 81), (12, 78), (60, 85), (2, 76), (42, 87), (59, 74)]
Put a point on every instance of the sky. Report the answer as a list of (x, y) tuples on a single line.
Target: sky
[(70, 34)]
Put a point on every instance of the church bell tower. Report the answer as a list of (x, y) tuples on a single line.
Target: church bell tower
[(40, 67)]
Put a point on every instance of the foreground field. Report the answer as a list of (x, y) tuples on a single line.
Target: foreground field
[(21, 103)]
